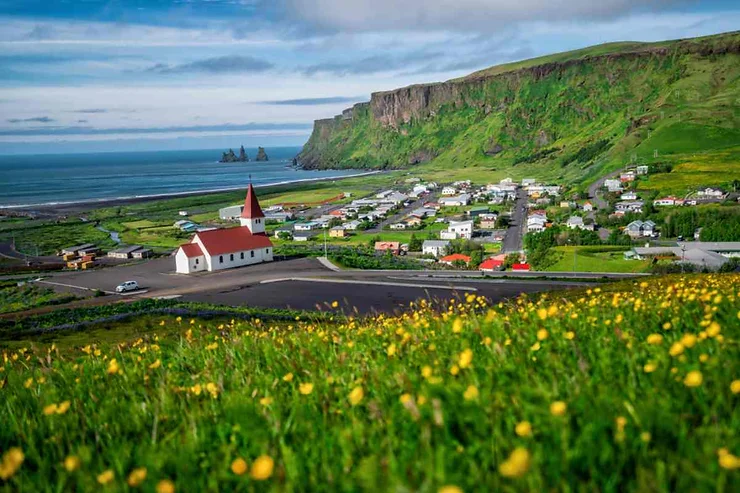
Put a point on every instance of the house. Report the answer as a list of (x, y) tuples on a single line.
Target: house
[(565, 205), (613, 185), (667, 201), (434, 247), (219, 249), (643, 169), (575, 222), (487, 223), (461, 229), (398, 226), (491, 265), (304, 235), (284, 231), (520, 267), (448, 191), (413, 221), (478, 211), (458, 200), (627, 177), (307, 226), (75, 250), (230, 213), (634, 206), (710, 255), (536, 223), (337, 232), (637, 229), (388, 246), (710, 193), (455, 257), (124, 252), (528, 181), (628, 196), (588, 207), (352, 225), (141, 253), (185, 225)]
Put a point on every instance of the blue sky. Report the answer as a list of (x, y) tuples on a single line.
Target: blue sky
[(91, 75)]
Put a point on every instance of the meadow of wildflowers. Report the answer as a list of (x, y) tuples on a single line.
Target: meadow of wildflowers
[(627, 387)]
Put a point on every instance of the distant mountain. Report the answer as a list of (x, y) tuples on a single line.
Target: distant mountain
[(230, 157), (580, 112)]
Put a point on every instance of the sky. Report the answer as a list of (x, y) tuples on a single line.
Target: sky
[(119, 75)]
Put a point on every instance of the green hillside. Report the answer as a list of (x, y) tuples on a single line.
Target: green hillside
[(569, 116)]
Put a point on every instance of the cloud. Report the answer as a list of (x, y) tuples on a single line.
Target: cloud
[(225, 127), (37, 119), (461, 15), (314, 101), (91, 110), (217, 65)]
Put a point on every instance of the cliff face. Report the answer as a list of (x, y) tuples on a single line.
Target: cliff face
[(513, 112)]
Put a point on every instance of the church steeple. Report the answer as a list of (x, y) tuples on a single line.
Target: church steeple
[(252, 216)]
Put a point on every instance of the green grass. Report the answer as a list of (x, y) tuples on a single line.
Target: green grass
[(14, 298), (409, 403), (595, 259), (47, 237)]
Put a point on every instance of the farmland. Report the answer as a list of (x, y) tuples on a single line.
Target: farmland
[(626, 387)]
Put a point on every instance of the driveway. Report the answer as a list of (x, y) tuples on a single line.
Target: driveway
[(513, 239)]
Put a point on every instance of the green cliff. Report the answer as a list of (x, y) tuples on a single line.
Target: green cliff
[(573, 114)]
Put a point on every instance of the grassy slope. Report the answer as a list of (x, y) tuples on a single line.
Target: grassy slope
[(186, 406), (687, 104)]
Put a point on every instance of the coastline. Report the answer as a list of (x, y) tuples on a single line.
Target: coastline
[(79, 206)]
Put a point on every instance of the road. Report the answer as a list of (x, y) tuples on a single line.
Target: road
[(515, 232), (400, 214)]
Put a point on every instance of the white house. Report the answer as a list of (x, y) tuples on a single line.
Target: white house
[(449, 191), (575, 222), (613, 185), (461, 229), (588, 207), (668, 201), (536, 223), (628, 196), (643, 169), (634, 206), (459, 200), (438, 248), (219, 249), (710, 193), (308, 226)]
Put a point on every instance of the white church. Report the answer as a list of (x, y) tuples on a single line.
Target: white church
[(228, 248)]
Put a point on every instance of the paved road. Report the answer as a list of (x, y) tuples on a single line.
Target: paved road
[(401, 214), (513, 239), (595, 188)]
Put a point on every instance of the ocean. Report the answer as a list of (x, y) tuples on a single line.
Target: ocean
[(27, 180)]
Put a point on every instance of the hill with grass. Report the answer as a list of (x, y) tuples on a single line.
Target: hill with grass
[(569, 116)]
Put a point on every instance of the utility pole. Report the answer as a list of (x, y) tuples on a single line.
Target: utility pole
[(325, 255)]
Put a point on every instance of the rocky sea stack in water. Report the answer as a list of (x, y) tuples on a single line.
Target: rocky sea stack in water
[(261, 155), (230, 157)]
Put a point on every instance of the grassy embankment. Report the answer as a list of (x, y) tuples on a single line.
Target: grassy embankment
[(14, 298), (595, 259), (629, 387)]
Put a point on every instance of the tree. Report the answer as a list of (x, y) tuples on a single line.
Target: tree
[(476, 258), (510, 260), (415, 243)]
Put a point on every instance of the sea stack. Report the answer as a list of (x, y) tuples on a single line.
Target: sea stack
[(261, 155)]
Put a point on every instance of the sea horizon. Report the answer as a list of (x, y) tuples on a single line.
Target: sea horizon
[(38, 180)]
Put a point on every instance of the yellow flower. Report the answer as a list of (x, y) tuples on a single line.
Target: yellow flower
[(391, 350), (516, 465), (355, 397), (113, 367), (536, 346), (136, 477), (735, 387), (405, 398), (196, 389), (655, 339), (676, 349), (649, 367), (105, 477), (449, 489), (465, 358), (703, 358), (266, 401), (666, 326), (155, 365), (542, 313), (542, 334), (12, 460), (457, 326), (471, 393), (570, 335), (688, 340), (288, 377), (713, 329), (693, 379), (50, 409), (262, 468), (71, 463), (239, 466), (426, 372), (334, 304), (729, 461), (523, 429), (165, 486), (27, 384), (454, 370), (212, 346), (645, 436), (305, 388), (558, 408), (63, 407)]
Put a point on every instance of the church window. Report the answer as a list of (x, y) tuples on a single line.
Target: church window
[(220, 259)]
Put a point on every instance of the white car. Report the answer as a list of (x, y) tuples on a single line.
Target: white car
[(127, 286)]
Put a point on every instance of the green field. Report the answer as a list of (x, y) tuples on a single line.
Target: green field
[(595, 259), (14, 298), (625, 387)]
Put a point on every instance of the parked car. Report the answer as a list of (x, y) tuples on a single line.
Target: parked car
[(127, 286)]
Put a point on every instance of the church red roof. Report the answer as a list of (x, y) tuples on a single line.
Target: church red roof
[(252, 207), (220, 241), (191, 250)]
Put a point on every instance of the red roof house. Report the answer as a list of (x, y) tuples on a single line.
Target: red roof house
[(455, 257), (491, 265), (520, 267)]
